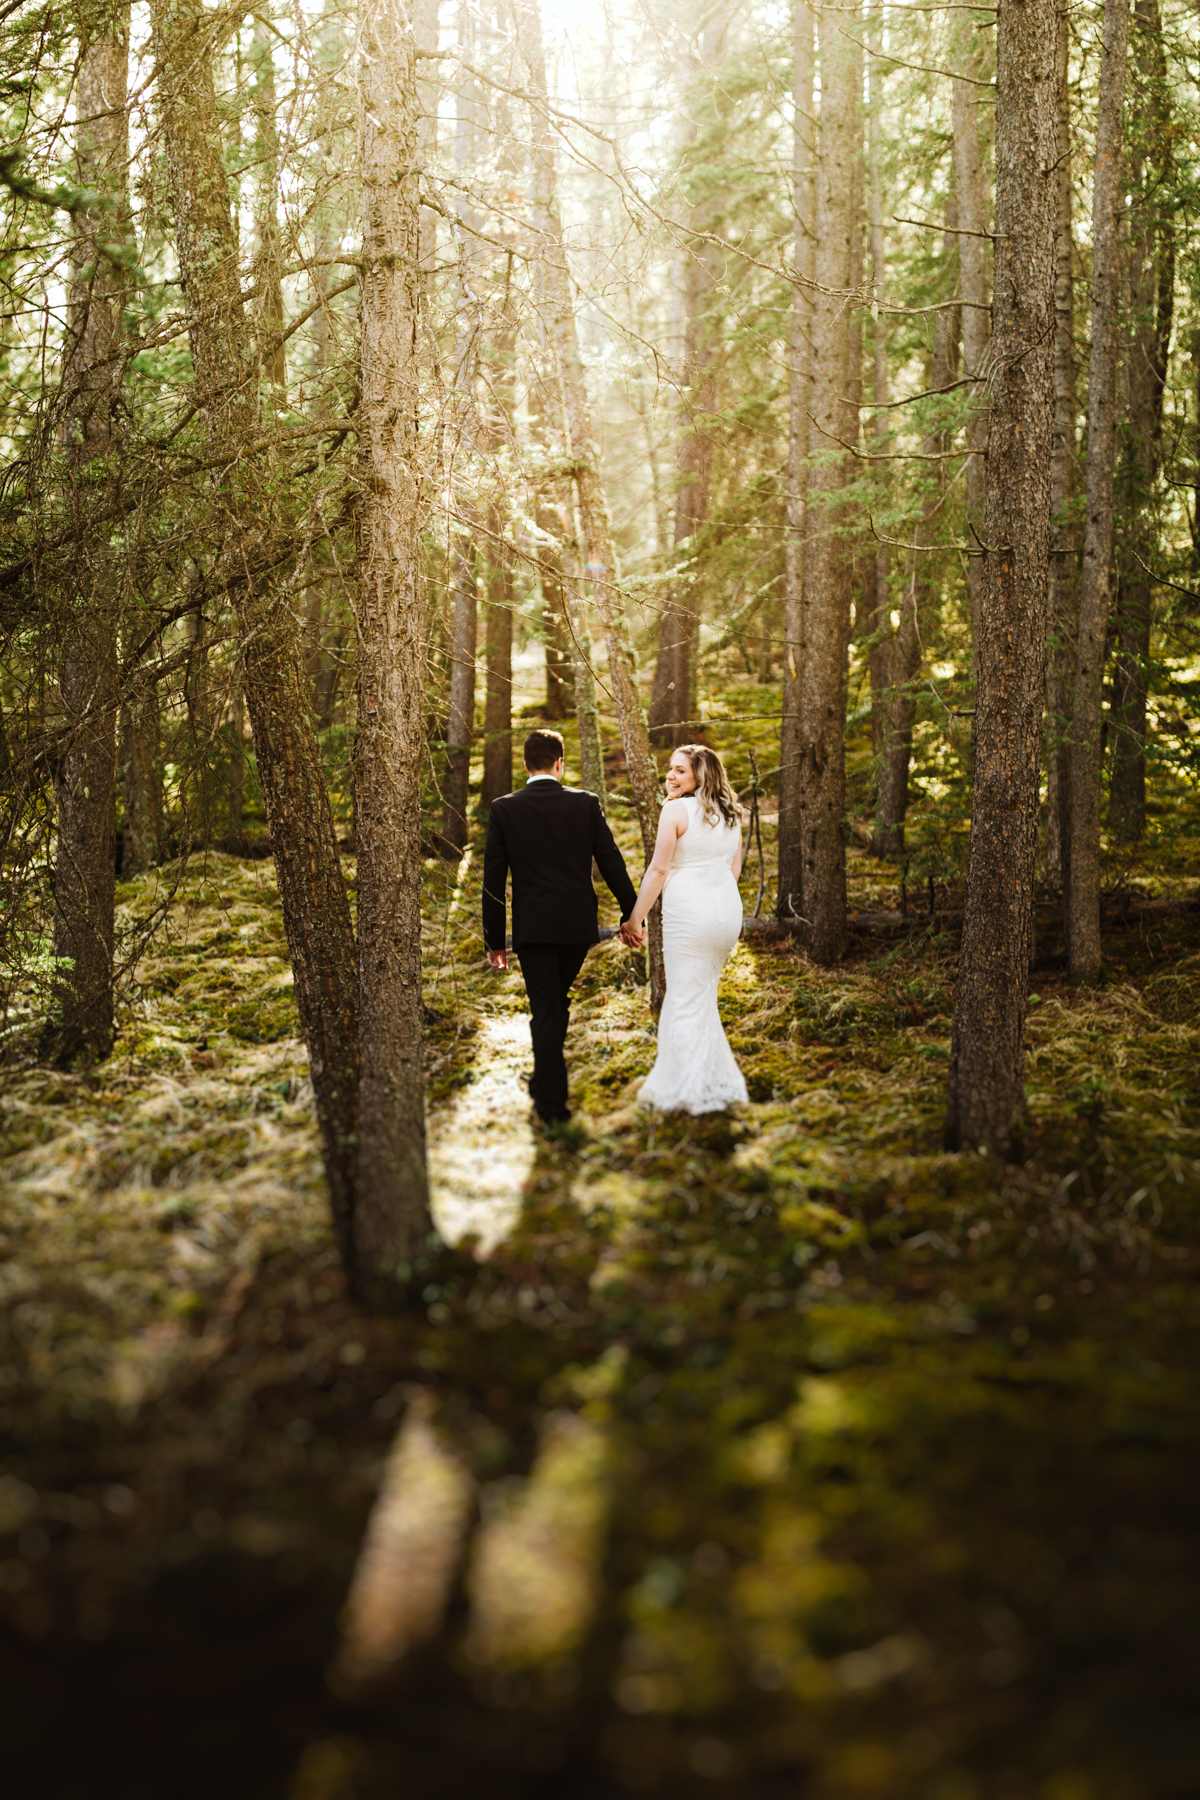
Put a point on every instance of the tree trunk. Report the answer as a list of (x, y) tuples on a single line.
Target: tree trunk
[(498, 437), (1095, 589), (464, 620), (268, 305), (804, 161), (672, 704), (141, 780), (966, 96), (820, 790), (674, 699), (81, 1024), (917, 603), (1063, 485), (393, 1230), (1151, 289), (460, 717), (889, 738), (600, 563), (498, 649), (235, 731), (986, 1100), (316, 912), (587, 711), (558, 657), (556, 311)]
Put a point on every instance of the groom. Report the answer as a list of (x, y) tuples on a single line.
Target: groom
[(547, 835)]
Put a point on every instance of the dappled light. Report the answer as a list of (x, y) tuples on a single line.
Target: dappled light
[(481, 1146), (599, 900)]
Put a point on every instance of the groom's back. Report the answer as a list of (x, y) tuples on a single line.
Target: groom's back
[(550, 833)]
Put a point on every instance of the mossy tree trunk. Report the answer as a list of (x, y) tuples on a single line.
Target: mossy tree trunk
[(1096, 581), (986, 1100), (81, 1025), (392, 1227), (316, 912)]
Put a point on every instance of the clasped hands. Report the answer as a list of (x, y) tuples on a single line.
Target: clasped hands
[(634, 936)]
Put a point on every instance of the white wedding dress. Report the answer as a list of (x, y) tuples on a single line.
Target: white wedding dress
[(695, 1070)]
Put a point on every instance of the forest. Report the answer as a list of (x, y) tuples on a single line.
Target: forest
[(820, 383)]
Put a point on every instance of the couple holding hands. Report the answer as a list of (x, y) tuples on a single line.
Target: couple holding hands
[(546, 836)]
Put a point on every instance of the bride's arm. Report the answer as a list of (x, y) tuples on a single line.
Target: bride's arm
[(735, 861), (670, 824)]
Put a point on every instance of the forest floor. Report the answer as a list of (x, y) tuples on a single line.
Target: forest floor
[(771, 1454)]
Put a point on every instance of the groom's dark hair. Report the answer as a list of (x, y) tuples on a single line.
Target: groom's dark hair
[(542, 750)]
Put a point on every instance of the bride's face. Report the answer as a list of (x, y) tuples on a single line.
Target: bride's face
[(680, 777)]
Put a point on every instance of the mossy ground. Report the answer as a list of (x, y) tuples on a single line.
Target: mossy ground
[(780, 1453)]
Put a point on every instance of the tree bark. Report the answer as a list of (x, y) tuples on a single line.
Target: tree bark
[(968, 56), (888, 657), (268, 261), (496, 443), (820, 773), (1063, 486), (464, 620), (556, 309), (460, 716), (81, 1023), (600, 562), (235, 731), (141, 779), (804, 165), (1095, 588), (498, 650), (316, 912), (558, 658), (1151, 289), (673, 703), (393, 1230), (674, 697), (986, 1099)]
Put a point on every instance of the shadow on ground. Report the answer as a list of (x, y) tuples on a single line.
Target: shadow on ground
[(780, 1454)]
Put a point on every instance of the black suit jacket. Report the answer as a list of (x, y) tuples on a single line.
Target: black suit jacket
[(547, 835)]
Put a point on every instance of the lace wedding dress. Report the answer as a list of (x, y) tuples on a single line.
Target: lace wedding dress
[(695, 1070)]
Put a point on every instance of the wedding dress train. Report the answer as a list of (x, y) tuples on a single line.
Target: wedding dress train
[(695, 1070)]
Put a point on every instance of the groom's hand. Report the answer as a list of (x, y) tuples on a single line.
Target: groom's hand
[(632, 935), (497, 959)]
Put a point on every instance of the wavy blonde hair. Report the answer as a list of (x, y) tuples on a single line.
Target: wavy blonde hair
[(716, 796)]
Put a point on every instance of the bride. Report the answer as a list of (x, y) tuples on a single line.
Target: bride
[(696, 864)]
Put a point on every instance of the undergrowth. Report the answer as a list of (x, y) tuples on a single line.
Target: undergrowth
[(859, 1422)]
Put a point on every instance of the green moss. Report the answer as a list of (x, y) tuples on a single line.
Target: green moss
[(864, 1421)]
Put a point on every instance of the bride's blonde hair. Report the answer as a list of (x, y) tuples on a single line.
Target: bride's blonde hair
[(716, 796)]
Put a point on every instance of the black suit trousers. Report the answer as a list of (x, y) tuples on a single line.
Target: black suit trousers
[(549, 970)]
